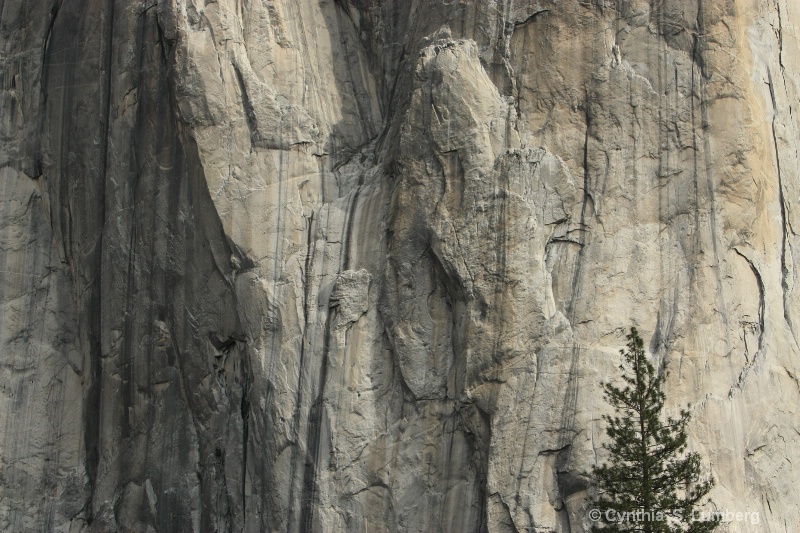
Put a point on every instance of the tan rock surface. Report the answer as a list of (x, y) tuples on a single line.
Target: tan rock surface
[(273, 265)]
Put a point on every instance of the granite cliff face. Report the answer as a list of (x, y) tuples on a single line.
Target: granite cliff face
[(361, 265)]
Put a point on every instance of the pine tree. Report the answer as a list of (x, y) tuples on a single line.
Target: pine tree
[(651, 481)]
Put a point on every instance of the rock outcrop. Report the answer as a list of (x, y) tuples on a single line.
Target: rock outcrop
[(362, 265)]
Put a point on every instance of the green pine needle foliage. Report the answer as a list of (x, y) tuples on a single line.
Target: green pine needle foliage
[(650, 471)]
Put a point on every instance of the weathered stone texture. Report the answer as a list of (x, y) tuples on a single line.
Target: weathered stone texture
[(361, 265)]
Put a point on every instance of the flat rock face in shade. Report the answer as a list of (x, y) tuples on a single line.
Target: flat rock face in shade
[(295, 265)]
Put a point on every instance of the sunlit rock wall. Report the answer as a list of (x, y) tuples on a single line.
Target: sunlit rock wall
[(361, 265)]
